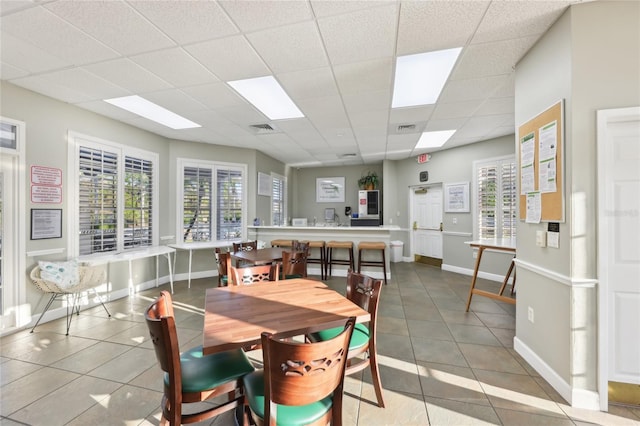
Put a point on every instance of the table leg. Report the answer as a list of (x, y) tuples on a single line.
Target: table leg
[(189, 281), (475, 277), (506, 278), (170, 270)]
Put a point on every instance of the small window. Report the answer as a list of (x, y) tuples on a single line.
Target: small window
[(496, 198), (278, 200)]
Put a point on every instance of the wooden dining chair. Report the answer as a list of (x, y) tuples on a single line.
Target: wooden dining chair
[(364, 291), (294, 264), (245, 246), (191, 377), (223, 259), (301, 383), (254, 274), (300, 246)]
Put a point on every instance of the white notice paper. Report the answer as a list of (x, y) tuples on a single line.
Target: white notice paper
[(527, 179), (534, 207), (547, 159)]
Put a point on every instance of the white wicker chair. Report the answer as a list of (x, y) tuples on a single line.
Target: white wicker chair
[(89, 277)]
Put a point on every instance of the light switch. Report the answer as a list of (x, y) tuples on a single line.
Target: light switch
[(541, 238), (553, 239)]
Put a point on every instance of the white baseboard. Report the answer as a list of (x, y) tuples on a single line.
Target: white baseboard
[(579, 398), (483, 275)]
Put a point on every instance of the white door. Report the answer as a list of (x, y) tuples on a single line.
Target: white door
[(619, 246), (427, 218)]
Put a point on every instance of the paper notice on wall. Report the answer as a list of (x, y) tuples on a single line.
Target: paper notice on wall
[(527, 172), (547, 158), (534, 207)]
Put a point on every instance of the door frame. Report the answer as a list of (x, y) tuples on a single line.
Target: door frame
[(604, 118), (412, 189)]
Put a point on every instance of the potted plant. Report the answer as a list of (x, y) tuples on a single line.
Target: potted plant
[(368, 181)]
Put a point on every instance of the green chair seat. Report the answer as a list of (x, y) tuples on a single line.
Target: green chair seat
[(201, 372), (359, 338), (287, 415), (224, 279), (291, 277)]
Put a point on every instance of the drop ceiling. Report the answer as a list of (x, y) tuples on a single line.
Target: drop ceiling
[(335, 59)]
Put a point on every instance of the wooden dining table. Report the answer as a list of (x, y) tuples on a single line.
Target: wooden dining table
[(236, 316), (258, 256)]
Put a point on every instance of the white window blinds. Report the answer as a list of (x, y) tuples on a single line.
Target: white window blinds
[(229, 215), (278, 200), (496, 198), (138, 202), (196, 213)]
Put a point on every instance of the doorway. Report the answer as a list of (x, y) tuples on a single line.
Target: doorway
[(618, 144), (426, 220)]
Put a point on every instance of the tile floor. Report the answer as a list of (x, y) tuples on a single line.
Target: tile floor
[(440, 365)]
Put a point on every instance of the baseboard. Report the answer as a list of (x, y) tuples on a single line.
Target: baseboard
[(469, 272), (578, 398)]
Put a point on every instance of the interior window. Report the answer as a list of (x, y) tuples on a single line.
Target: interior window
[(496, 197)]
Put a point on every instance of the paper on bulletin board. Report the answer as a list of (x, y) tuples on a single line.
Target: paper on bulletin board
[(534, 207), (547, 158), (527, 172)]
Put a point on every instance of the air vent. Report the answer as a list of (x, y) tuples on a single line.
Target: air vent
[(261, 129), (406, 128)]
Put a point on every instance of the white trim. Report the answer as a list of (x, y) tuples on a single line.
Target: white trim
[(552, 275), (578, 398), (466, 271), (15, 293), (36, 253), (457, 234), (603, 118)]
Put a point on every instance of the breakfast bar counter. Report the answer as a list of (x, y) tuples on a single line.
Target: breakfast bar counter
[(327, 233)]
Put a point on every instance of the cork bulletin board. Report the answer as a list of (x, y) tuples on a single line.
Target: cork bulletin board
[(541, 166)]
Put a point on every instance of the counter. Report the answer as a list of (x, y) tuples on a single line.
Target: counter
[(331, 233)]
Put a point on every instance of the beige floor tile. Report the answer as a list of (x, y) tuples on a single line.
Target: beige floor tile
[(490, 358), (437, 330), (439, 351), (496, 320), (393, 325), (473, 334), (504, 335), (443, 412), (450, 382), (14, 369), (91, 357), (402, 409), (510, 417), (460, 317), (56, 350), (616, 415), (126, 366), (394, 346)]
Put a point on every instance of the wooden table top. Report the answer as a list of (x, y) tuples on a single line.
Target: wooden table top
[(259, 256), (235, 316)]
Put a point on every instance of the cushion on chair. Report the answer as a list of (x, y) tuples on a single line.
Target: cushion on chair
[(63, 274), (293, 276), (224, 279), (201, 372), (359, 338), (286, 414)]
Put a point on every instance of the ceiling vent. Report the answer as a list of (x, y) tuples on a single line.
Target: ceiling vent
[(263, 129), (406, 128)]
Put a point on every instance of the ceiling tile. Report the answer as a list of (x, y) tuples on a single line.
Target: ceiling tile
[(403, 141), (497, 106), (61, 39), (411, 114), (422, 29), (175, 100), (472, 88), (121, 27), (81, 81), (488, 59), (187, 21), (244, 115), (290, 48), (365, 76), (309, 84), (514, 19), (29, 57), (371, 34), (252, 15), (446, 124), (326, 111), (455, 110), (368, 101), (175, 66), (9, 72), (231, 58), (44, 86), (322, 8), (373, 118), (215, 95), (126, 73)]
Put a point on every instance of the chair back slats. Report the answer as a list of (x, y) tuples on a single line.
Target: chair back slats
[(245, 246), (364, 291), (254, 274), (302, 373), (294, 263)]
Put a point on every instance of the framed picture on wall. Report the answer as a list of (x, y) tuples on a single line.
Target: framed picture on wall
[(456, 197), (330, 190), (46, 223)]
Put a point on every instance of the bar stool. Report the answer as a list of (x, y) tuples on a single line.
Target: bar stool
[(322, 261), (373, 245), (348, 245), (281, 243)]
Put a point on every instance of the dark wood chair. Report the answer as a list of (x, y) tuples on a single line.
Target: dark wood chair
[(223, 259), (364, 291), (301, 383), (245, 246), (294, 264), (191, 377), (254, 274), (300, 246)]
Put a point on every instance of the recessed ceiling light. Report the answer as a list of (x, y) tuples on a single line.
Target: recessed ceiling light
[(153, 112), (421, 77), (266, 94), (434, 139)]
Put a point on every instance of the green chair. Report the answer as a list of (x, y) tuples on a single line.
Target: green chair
[(364, 291), (301, 383), (294, 264), (192, 377), (223, 259)]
